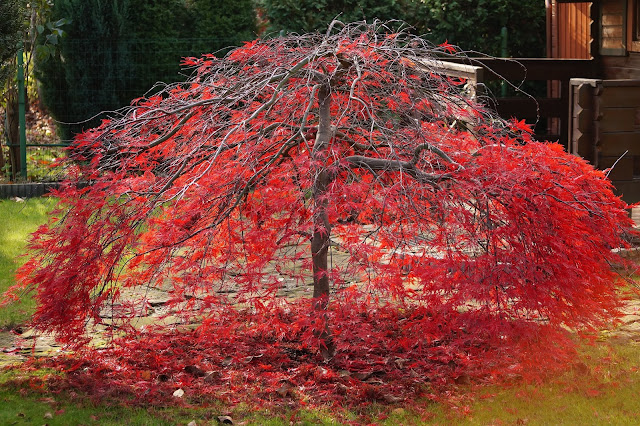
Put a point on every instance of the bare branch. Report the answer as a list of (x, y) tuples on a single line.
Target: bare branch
[(386, 165)]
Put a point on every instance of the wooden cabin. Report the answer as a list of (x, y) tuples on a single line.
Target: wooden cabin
[(592, 73), (604, 109), (603, 120)]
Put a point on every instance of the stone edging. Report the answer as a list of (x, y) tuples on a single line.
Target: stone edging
[(26, 190)]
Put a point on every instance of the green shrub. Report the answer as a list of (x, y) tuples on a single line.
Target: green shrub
[(476, 24), (302, 16), (82, 78), (220, 24), (470, 24)]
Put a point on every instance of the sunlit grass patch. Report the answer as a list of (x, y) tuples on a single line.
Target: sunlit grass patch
[(601, 387), (17, 221), (24, 407)]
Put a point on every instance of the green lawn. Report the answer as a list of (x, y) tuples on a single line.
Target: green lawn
[(32, 409), (17, 221)]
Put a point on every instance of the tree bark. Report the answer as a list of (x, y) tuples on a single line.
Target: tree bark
[(321, 227)]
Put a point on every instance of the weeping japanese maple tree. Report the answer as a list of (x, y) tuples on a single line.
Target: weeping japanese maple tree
[(347, 163)]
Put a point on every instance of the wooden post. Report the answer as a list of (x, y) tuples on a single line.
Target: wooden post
[(21, 116)]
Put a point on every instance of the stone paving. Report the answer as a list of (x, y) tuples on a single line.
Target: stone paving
[(629, 329)]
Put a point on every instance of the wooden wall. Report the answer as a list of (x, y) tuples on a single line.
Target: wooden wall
[(620, 53), (617, 67), (569, 36), (602, 29), (573, 36), (606, 129), (604, 113)]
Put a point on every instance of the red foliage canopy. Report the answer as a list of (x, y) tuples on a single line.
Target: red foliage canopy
[(427, 225)]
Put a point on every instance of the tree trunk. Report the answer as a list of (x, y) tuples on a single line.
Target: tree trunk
[(321, 227)]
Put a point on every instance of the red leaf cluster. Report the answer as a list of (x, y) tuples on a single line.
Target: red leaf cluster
[(384, 356)]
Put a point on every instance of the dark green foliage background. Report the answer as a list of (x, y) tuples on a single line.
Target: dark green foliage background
[(11, 26), (221, 23), (470, 24), (83, 78), (116, 50), (476, 24), (302, 16)]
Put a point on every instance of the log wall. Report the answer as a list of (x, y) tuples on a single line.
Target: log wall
[(605, 117)]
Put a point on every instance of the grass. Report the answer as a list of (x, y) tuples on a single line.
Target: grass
[(17, 221), (602, 387), (29, 409), (602, 390)]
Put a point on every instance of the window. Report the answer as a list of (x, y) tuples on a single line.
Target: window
[(634, 25), (615, 31), (636, 20)]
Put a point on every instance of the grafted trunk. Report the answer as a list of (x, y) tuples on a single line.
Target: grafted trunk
[(320, 241), (321, 226)]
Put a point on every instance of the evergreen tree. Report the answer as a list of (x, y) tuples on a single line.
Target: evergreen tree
[(470, 24), (300, 16), (477, 24), (221, 24), (11, 25), (155, 33), (115, 51), (84, 77)]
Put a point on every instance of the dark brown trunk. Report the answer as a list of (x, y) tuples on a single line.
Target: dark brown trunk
[(320, 240), (321, 226)]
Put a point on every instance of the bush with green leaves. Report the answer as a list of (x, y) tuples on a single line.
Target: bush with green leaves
[(219, 25), (162, 32), (477, 24)]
